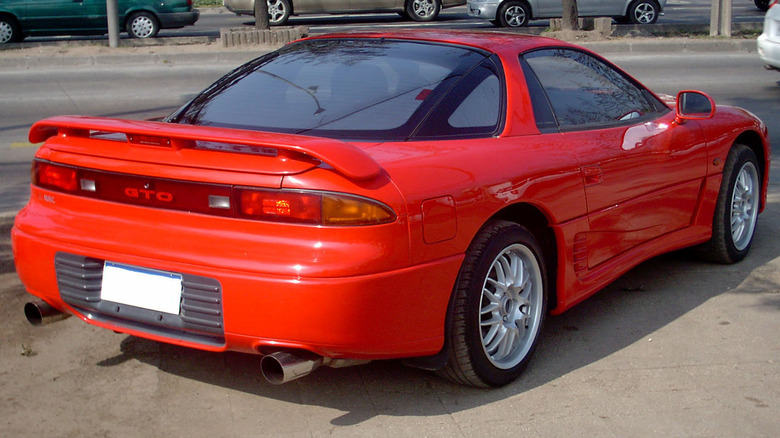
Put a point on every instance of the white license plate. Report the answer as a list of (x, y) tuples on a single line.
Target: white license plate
[(140, 287)]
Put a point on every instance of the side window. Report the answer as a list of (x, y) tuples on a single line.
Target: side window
[(480, 107), (585, 92), (472, 108)]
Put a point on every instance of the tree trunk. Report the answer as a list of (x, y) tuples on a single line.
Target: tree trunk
[(570, 15), (261, 15)]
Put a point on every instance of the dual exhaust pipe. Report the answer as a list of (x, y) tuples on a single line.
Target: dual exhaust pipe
[(277, 368), (41, 312)]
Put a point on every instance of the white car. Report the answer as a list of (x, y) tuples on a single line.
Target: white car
[(769, 40), (516, 13)]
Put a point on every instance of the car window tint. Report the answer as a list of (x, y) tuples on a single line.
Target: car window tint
[(351, 89), (480, 107), (586, 92), (472, 108)]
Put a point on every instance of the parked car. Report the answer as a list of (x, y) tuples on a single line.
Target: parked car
[(139, 18), (769, 40), (409, 194), (281, 10), (516, 13)]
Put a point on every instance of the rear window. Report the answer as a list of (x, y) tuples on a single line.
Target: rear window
[(350, 89)]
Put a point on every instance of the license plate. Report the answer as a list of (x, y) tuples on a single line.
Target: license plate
[(141, 287)]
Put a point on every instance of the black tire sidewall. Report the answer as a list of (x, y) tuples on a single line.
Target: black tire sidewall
[(632, 7), (738, 157), (502, 10), (16, 31), (510, 234), (148, 15), (415, 17), (287, 13)]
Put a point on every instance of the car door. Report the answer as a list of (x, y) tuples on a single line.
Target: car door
[(554, 8), (642, 171), (53, 15), (368, 5), (94, 12)]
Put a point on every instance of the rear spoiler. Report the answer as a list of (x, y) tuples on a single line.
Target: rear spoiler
[(348, 160)]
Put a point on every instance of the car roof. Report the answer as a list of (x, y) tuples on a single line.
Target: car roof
[(496, 42)]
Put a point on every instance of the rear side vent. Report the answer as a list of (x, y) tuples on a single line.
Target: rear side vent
[(200, 318)]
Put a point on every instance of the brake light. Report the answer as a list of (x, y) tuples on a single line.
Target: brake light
[(148, 140), (282, 206), (55, 176), (321, 208), (273, 205)]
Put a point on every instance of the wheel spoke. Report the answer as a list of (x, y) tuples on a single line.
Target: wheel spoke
[(510, 306)]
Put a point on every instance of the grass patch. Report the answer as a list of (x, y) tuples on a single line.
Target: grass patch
[(206, 3)]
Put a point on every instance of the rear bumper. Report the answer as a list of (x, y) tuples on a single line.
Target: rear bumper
[(176, 20), (769, 51), (482, 9), (394, 313)]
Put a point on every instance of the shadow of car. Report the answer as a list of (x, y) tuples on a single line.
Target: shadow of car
[(139, 18)]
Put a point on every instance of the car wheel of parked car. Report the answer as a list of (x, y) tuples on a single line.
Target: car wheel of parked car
[(142, 25), (9, 30), (500, 301), (736, 213), (643, 12), (763, 5), (423, 10), (514, 14), (278, 12)]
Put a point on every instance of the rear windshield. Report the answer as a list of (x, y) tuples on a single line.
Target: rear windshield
[(350, 89)]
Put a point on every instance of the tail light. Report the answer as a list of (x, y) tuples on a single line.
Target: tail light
[(54, 176), (189, 3), (277, 205), (310, 207)]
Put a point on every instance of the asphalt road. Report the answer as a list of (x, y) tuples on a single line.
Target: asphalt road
[(145, 91), (213, 19)]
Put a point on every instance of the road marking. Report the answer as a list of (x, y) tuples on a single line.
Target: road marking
[(22, 144)]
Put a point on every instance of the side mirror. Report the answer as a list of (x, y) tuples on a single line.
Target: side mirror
[(694, 105)]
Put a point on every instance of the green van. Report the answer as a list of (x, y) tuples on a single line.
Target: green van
[(139, 18)]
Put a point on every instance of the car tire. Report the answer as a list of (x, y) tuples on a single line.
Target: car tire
[(10, 32), (736, 211), (423, 10), (762, 5), (278, 12), (497, 315), (643, 12), (514, 13), (143, 25)]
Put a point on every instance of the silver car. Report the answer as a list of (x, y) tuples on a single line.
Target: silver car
[(515, 13), (769, 40), (280, 10)]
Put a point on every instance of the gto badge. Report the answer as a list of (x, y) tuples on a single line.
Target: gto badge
[(148, 194)]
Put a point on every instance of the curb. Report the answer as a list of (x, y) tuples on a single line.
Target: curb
[(245, 53), (673, 46)]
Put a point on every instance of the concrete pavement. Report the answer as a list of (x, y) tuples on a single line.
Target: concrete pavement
[(675, 347)]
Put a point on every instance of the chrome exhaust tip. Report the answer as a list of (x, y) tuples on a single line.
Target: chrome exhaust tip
[(285, 366), (40, 313)]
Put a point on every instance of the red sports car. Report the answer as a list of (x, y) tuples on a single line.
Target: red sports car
[(420, 195)]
